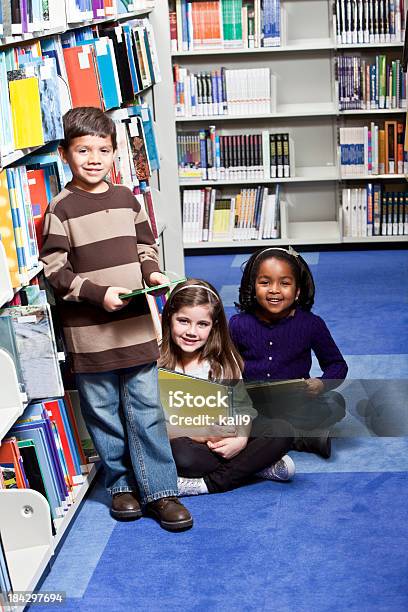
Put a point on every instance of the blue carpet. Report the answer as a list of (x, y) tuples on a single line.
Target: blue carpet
[(309, 545), (336, 538)]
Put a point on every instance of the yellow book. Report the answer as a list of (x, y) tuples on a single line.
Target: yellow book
[(26, 113), (192, 405), (7, 231)]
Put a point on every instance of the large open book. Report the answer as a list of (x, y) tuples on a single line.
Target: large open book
[(192, 404), (266, 394)]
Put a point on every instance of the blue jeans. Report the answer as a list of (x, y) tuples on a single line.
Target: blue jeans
[(125, 419)]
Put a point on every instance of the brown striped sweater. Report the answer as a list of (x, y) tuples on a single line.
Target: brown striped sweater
[(93, 241)]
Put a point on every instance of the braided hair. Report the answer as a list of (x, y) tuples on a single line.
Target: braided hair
[(303, 278)]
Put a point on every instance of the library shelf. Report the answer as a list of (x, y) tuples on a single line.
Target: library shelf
[(7, 41), (11, 400), (29, 544), (302, 175), (374, 239), (373, 46), (6, 288), (310, 109), (308, 44), (374, 111), (373, 177), (299, 45)]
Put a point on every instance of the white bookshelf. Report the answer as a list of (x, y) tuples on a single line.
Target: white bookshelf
[(28, 541), (305, 105), (25, 523)]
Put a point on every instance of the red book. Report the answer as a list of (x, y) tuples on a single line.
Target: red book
[(52, 408), (10, 459), (83, 76), (39, 201)]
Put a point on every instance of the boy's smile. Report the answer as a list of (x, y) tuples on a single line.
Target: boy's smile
[(275, 289), (90, 158)]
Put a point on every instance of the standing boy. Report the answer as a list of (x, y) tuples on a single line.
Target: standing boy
[(98, 244)]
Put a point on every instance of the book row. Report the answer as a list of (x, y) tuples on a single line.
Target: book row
[(373, 149), (371, 211), (369, 21), (228, 24), (364, 85), (19, 17), (207, 155), (44, 451), (39, 82), (223, 92), (26, 190), (210, 216)]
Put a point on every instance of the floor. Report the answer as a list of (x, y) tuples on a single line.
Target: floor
[(336, 538)]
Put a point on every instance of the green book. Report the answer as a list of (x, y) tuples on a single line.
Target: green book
[(126, 296)]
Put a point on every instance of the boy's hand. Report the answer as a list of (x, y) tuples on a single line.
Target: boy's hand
[(228, 447), (314, 386), (157, 278), (112, 301)]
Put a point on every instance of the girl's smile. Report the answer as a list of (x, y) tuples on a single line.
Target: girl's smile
[(190, 327)]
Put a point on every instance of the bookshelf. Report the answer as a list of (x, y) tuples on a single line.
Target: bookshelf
[(27, 537), (305, 104)]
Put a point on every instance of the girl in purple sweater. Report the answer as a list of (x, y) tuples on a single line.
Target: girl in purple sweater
[(276, 333)]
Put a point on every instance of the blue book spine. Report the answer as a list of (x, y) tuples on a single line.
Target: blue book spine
[(184, 24), (203, 154), (214, 93)]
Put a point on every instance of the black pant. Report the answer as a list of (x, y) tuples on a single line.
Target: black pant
[(196, 460)]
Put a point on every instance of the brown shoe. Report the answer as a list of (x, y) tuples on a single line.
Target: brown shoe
[(170, 513), (125, 506)]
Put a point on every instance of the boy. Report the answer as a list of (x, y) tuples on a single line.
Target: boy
[(98, 245)]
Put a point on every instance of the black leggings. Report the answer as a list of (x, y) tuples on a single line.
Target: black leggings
[(196, 460)]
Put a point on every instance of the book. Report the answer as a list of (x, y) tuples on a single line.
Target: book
[(193, 404), (267, 395), (126, 296), (83, 78), (25, 105), (35, 340)]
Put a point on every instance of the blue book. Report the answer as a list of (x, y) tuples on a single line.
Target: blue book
[(106, 71), (36, 413), (131, 58), (35, 432)]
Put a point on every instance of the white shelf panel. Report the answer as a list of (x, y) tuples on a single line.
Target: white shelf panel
[(27, 567), (375, 239), (7, 160), (31, 274), (373, 46), (309, 232), (374, 111), (307, 44), (80, 494), (372, 177), (8, 417), (235, 243), (319, 109), (303, 175)]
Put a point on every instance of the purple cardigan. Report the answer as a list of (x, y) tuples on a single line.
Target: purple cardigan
[(283, 350)]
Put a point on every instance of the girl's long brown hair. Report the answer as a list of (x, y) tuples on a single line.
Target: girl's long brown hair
[(219, 350)]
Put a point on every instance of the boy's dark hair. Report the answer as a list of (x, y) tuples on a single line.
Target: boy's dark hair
[(300, 269), (87, 121)]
